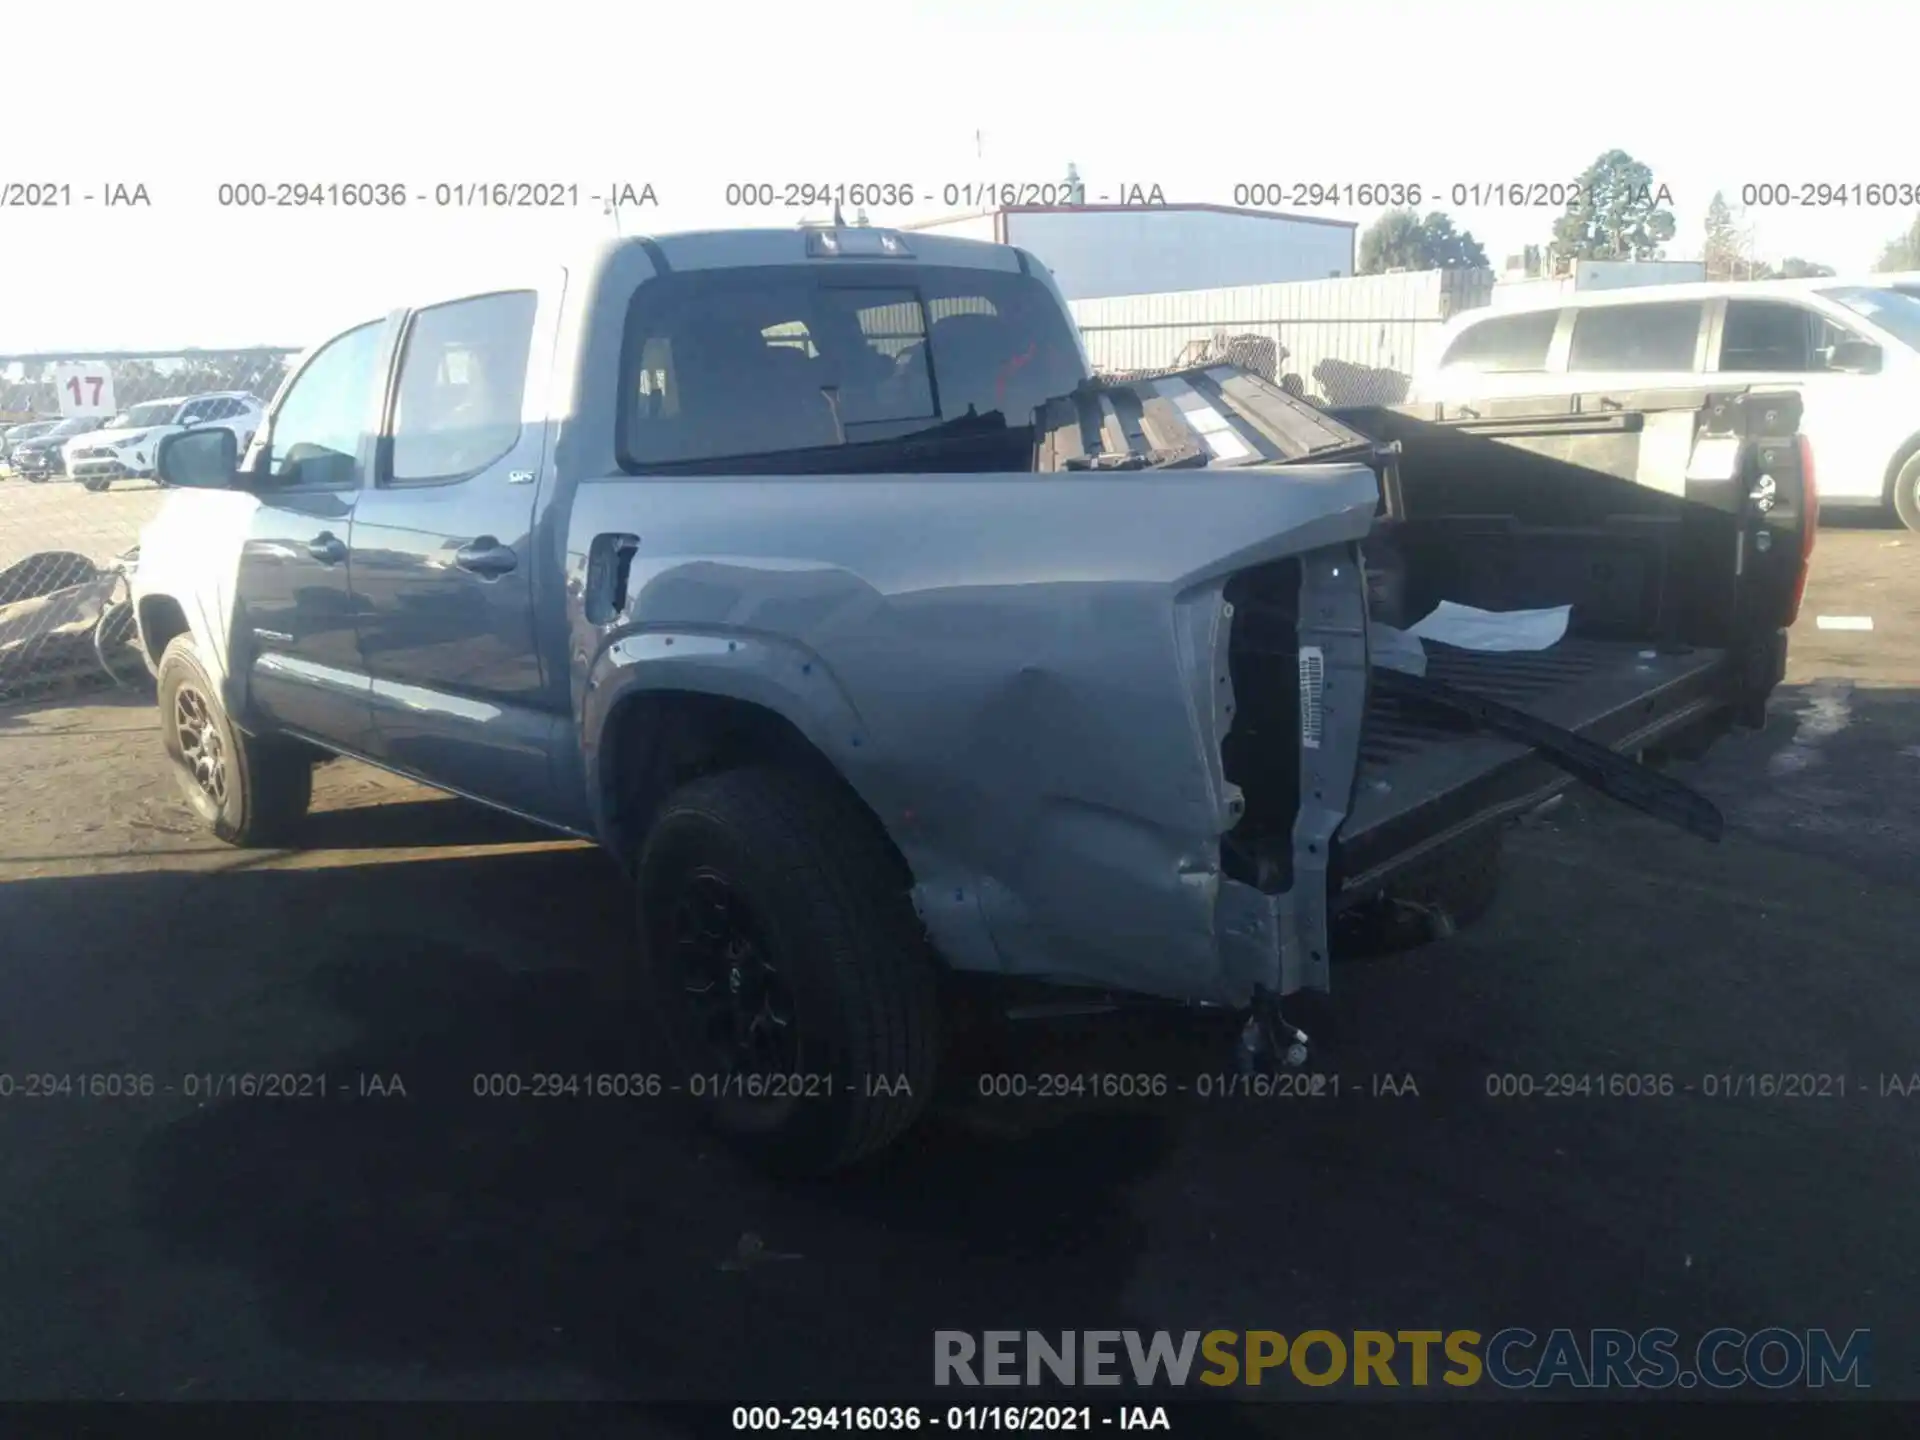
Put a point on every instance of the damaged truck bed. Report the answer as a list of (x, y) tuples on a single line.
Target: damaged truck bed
[(1677, 540)]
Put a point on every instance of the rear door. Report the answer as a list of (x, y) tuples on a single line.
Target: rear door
[(294, 611), (1618, 351), (443, 554)]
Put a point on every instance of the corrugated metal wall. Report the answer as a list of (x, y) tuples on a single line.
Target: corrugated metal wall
[(1100, 251), (1351, 341)]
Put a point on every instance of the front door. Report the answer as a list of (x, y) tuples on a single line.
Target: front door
[(293, 616), (1780, 345), (443, 555)]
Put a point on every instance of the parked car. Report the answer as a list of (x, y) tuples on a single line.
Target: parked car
[(1851, 349), (812, 575), (124, 447), (44, 455), (15, 434)]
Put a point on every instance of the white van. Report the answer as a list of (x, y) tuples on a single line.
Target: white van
[(1851, 347)]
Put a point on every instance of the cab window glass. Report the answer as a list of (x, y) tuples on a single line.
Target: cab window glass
[(841, 367), (463, 381), (318, 428)]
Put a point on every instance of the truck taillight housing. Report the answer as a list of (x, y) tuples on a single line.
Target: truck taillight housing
[(1809, 526)]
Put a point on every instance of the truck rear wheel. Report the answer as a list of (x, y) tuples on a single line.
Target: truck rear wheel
[(790, 977), (248, 790)]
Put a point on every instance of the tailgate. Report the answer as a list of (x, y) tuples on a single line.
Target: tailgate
[(1672, 441)]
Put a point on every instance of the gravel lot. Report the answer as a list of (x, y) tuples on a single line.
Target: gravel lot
[(440, 1245)]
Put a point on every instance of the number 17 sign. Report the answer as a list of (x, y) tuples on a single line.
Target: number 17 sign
[(85, 386)]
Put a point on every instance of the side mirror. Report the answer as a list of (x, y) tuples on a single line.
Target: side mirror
[(206, 459), (1854, 357)]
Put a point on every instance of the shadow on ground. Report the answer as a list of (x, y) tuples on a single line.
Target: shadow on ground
[(446, 1230), (441, 1242)]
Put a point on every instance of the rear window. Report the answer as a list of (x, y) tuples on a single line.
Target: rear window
[(841, 365), (1508, 345), (1636, 337)]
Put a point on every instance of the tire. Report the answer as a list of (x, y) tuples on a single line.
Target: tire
[(248, 790), (812, 903), (1906, 493), (96, 486)]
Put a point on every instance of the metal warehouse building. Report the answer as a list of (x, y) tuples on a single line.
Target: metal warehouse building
[(1095, 251)]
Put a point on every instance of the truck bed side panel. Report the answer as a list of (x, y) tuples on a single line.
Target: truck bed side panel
[(1024, 676)]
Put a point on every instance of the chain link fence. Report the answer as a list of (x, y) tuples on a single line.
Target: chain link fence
[(77, 441)]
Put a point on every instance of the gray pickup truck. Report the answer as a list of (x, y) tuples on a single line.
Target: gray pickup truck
[(811, 573)]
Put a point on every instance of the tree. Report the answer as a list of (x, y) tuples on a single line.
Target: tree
[(1903, 252), (1401, 240), (1723, 253), (1794, 268), (1617, 213)]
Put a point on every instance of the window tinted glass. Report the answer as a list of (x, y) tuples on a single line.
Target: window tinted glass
[(1895, 310), (893, 328), (317, 430), (1509, 344), (1635, 337), (1767, 336), (730, 365), (463, 380), (154, 412)]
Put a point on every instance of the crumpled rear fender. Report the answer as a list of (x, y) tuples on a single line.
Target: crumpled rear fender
[(1024, 677)]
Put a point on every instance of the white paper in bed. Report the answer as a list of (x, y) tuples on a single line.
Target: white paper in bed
[(1395, 649), (1472, 629)]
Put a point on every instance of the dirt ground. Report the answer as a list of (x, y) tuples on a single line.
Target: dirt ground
[(440, 1245)]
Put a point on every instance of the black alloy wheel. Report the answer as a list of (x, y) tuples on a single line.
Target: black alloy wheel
[(743, 1009)]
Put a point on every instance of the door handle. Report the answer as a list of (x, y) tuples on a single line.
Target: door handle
[(485, 556), (327, 548)]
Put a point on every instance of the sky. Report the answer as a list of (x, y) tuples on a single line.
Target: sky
[(1194, 98)]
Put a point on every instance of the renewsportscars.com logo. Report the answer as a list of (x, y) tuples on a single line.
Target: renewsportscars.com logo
[(1774, 1358)]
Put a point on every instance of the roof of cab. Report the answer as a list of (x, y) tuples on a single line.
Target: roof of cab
[(722, 249), (725, 249)]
